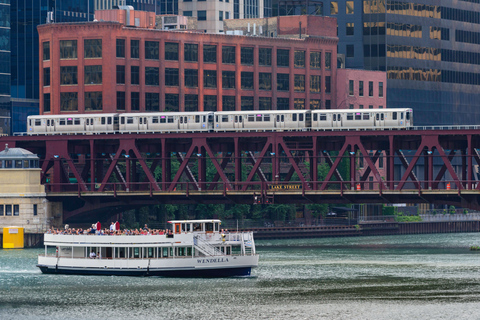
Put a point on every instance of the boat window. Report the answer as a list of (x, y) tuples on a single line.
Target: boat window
[(216, 226), (394, 116), (185, 227), (366, 116), (189, 251), (165, 252), (209, 226), (136, 252), (197, 227), (349, 116), (150, 252)]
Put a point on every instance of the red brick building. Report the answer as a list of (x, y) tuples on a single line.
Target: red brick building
[(114, 67)]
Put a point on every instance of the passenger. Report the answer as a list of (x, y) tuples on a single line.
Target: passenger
[(92, 254), (117, 225), (146, 227), (99, 256), (99, 226), (112, 227)]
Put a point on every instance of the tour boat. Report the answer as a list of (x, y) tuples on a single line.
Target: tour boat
[(195, 248)]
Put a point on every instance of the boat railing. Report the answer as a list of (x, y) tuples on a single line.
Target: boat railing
[(204, 246)]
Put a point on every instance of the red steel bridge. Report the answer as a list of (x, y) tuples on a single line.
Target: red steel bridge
[(114, 172)]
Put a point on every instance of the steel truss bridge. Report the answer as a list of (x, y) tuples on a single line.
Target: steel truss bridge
[(109, 173)]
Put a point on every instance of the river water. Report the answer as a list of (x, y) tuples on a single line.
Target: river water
[(391, 277)]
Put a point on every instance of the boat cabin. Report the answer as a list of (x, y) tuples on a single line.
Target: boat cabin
[(195, 226)]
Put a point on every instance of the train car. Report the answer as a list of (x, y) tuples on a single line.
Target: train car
[(73, 124), (262, 120), (361, 119), (166, 122)]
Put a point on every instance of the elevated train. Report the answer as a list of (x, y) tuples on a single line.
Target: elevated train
[(222, 121)]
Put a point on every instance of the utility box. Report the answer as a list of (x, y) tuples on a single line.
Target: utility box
[(13, 238)]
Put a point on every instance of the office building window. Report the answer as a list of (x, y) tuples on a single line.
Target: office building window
[(299, 82), (152, 50), (328, 87), (93, 75), (93, 101), (120, 48), (315, 104), (370, 88), (68, 75), (349, 7), (134, 49), (265, 56), (191, 102), (35, 209), (370, 106), (8, 210), (246, 56), (152, 76), (350, 106), (191, 52), (283, 57), (228, 79), (360, 106), (333, 7), (283, 104), (171, 102), (360, 88), (188, 13), (46, 102), (283, 81), (350, 87), (68, 49), (299, 59), (46, 50), (191, 78), (265, 81), (209, 103), (135, 101), (171, 77), (299, 104), (152, 101), (209, 53), (220, 15), (202, 15), (210, 78), (68, 101), (228, 103), (247, 104), (247, 80), (171, 51), (315, 60), (135, 75), (264, 103), (16, 209), (328, 60), (228, 54), (350, 29), (120, 74), (46, 77), (92, 48), (121, 100), (315, 84), (380, 89), (350, 51)]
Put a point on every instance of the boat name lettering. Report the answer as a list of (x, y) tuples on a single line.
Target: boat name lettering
[(212, 260)]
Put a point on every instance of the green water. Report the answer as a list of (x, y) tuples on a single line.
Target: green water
[(391, 277)]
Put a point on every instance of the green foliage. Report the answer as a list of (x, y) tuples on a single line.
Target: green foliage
[(452, 210), (318, 209), (401, 218), (389, 211)]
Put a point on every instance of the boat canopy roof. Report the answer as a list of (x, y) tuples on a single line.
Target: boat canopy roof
[(195, 221)]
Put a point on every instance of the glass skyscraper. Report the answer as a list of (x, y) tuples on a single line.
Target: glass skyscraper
[(5, 66)]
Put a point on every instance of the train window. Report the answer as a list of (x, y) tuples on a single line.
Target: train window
[(323, 117), (378, 117), (181, 119), (62, 122), (308, 116), (394, 116), (278, 118), (130, 120), (170, 119), (408, 116), (48, 123), (349, 116), (122, 120), (300, 117), (366, 116), (69, 121), (251, 118), (87, 121), (258, 118), (315, 117), (103, 120), (294, 117), (154, 119), (224, 118), (334, 117), (339, 118), (76, 121), (236, 119), (141, 120), (240, 119), (38, 122), (109, 120), (401, 115), (358, 116), (381, 116), (197, 119), (163, 119), (266, 117)]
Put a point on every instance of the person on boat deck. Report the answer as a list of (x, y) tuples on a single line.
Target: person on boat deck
[(93, 255), (99, 226), (146, 227), (99, 256), (112, 227), (117, 225)]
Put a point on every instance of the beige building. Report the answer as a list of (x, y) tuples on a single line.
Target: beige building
[(23, 200)]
